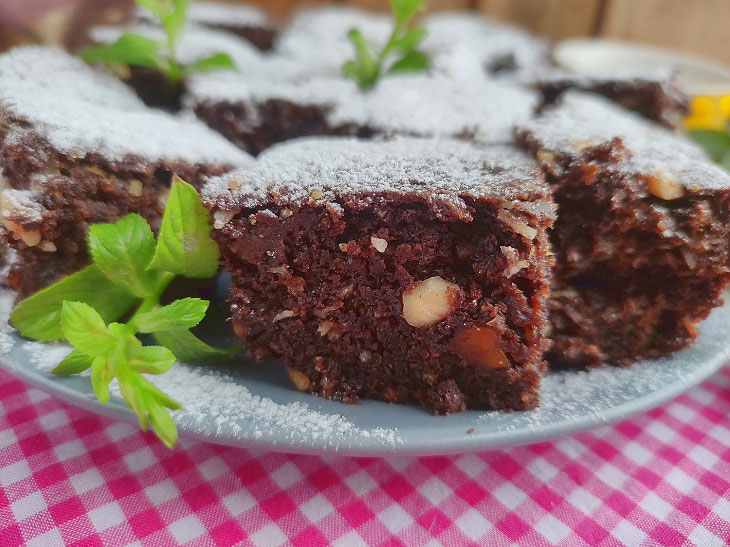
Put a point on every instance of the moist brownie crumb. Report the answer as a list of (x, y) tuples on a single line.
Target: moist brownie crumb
[(78, 147), (256, 113), (642, 235), (654, 94), (248, 22), (412, 271)]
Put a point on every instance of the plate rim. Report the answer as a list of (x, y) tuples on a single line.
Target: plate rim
[(356, 447)]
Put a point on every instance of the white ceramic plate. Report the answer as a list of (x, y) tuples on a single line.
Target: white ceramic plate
[(255, 406)]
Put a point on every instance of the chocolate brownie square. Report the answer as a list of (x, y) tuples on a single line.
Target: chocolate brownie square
[(77, 147), (255, 113), (642, 239), (407, 270), (247, 21), (655, 94), (195, 42), (502, 50)]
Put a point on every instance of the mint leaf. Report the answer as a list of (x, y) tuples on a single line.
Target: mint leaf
[(129, 49), (184, 246), (716, 143), (163, 426), (217, 61), (123, 251), (403, 10), (131, 386), (85, 329), (181, 314), (174, 21), (410, 39), (412, 61), (73, 363), (101, 375), (151, 359), (189, 348), (39, 316)]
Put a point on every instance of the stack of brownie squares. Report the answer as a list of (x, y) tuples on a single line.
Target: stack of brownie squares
[(434, 240)]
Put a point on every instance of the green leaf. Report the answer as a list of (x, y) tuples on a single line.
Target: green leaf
[(365, 67), (73, 363), (131, 388), (151, 359), (123, 251), (716, 143), (411, 62), (181, 314), (157, 7), (190, 349), (725, 161), (217, 61), (162, 425), (403, 10), (184, 246), (86, 330), (174, 21), (39, 316), (129, 49), (410, 39), (101, 375), (151, 392)]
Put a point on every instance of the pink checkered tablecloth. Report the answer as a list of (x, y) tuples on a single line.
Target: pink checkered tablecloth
[(69, 477)]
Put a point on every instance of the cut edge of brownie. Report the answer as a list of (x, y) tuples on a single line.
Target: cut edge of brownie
[(325, 281), (642, 241)]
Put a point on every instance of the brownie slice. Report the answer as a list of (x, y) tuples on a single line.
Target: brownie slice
[(502, 50), (255, 113), (195, 42), (78, 147), (247, 21), (412, 271), (642, 237), (655, 94)]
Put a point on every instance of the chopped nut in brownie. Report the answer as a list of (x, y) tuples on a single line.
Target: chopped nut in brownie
[(245, 20), (408, 270), (642, 239), (78, 147), (654, 94)]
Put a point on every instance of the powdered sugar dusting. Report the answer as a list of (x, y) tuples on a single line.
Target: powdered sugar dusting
[(215, 13), (583, 119), (331, 167), (79, 111), (6, 305), (418, 105)]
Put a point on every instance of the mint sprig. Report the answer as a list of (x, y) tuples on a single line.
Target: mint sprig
[(134, 50), (129, 273), (399, 54)]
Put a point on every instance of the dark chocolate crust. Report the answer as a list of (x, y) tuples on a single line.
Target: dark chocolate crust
[(661, 101), (276, 120), (260, 36), (634, 273), (74, 194), (310, 288)]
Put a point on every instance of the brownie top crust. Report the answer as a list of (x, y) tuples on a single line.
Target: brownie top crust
[(421, 105), (497, 45), (48, 94), (317, 37), (582, 120), (443, 173), (215, 14)]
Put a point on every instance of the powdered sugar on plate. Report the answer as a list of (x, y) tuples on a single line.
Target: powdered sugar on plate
[(583, 119), (81, 111)]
